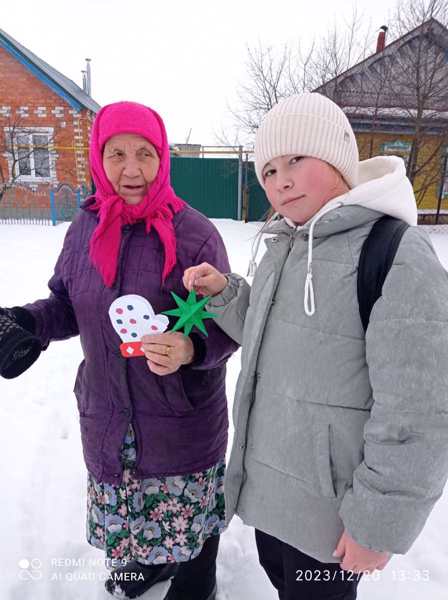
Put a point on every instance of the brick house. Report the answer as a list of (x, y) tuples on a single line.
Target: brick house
[(45, 121), (391, 114)]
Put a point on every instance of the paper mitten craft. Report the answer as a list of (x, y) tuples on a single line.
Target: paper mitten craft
[(132, 317)]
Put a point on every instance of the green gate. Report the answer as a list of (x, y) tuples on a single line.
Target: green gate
[(208, 184), (211, 186), (257, 203)]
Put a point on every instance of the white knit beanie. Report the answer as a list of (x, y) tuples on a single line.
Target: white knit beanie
[(308, 125)]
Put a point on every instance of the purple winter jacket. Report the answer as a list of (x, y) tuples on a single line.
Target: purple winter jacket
[(180, 420)]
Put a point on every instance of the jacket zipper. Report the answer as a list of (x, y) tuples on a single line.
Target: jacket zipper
[(292, 239), (243, 444), (128, 409)]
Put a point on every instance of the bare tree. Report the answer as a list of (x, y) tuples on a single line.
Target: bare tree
[(409, 15), (14, 153), (420, 75), (340, 49), (273, 74), (23, 145), (406, 86), (266, 85)]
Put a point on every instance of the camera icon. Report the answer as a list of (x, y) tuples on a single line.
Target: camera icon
[(30, 570)]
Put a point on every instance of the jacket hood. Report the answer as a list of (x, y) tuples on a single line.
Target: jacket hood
[(383, 186)]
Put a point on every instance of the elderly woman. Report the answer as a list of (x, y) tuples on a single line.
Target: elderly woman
[(153, 428)]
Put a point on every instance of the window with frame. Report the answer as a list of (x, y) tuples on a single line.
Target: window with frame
[(444, 171), (32, 153), (397, 148)]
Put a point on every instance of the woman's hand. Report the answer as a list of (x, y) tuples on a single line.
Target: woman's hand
[(204, 279), (166, 352), (357, 558)]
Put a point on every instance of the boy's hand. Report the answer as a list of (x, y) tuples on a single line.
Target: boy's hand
[(204, 279), (357, 558)]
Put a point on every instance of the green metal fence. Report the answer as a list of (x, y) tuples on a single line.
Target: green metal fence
[(209, 184), (221, 188), (257, 204)]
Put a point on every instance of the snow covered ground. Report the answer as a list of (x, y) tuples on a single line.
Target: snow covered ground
[(43, 552)]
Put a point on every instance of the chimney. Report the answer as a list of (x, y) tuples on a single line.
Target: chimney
[(88, 89), (381, 42)]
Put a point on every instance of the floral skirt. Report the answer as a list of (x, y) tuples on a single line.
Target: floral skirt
[(154, 520)]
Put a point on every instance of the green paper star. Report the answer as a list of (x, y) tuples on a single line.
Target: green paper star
[(191, 313)]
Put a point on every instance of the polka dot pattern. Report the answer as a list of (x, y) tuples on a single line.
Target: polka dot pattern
[(132, 317)]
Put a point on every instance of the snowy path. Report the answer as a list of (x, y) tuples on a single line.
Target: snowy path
[(43, 552)]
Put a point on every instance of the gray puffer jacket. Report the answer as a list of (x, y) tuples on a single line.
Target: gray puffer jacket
[(336, 429)]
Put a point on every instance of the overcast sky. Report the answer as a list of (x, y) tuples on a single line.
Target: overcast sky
[(183, 58)]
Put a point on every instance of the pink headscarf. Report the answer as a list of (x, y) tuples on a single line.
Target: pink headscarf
[(158, 206)]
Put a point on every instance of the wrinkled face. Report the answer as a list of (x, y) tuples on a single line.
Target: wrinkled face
[(297, 187), (131, 164)]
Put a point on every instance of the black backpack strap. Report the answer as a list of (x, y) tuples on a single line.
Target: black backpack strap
[(376, 258)]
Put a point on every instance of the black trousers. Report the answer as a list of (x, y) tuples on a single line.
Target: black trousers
[(196, 578), (297, 576)]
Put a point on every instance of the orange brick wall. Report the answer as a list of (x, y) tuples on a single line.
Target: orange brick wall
[(24, 199), (28, 102)]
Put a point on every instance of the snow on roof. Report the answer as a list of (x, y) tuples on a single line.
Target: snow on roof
[(395, 112)]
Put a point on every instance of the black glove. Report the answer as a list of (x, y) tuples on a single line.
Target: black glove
[(19, 348), (21, 316)]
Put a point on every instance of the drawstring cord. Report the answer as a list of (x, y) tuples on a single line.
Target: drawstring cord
[(256, 245), (309, 303)]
